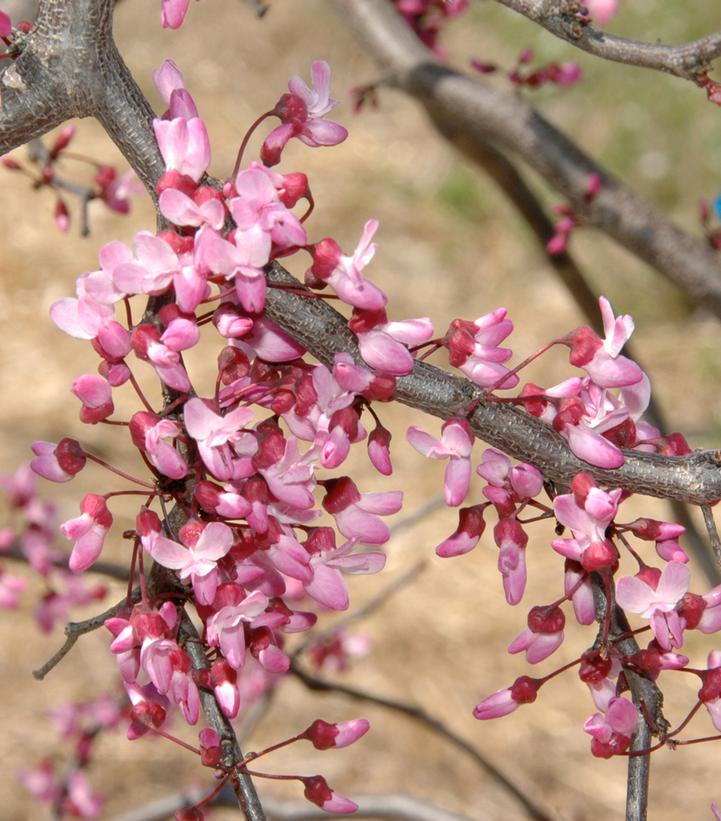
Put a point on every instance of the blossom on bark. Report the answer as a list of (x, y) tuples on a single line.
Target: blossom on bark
[(456, 445), (473, 347)]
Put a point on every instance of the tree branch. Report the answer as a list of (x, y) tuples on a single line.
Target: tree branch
[(231, 755), (481, 113), (324, 332), (434, 724), (687, 61), (75, 629)]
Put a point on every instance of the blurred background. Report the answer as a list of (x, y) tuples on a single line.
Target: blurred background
[(449, 246)]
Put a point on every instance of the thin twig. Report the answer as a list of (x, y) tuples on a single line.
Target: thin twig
[(712, 532), (75, 629), (436, 725)]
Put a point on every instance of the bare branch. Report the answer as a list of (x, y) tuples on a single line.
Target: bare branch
[(75, 629), (687, 61), (480, 113), (434, 724)]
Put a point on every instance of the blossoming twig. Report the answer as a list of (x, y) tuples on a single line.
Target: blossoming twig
[(436, 725)]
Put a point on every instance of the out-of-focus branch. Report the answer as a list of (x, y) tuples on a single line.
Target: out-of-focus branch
[(688, 60), (484, 113), (420, 715), (371, 806), (75, 629)]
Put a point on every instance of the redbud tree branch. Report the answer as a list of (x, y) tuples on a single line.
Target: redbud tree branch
[(687, 61), (484, 113), (431, 722), (75, 629), (324, 332), (505, 174)]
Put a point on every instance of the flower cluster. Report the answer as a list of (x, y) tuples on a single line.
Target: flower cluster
[(252, 466)]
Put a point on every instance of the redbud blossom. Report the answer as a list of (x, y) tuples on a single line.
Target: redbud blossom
[(466, 536), (523, 691), (302, 115), (612, 730), (88, 532), (657, 601), (318, 792), (324, 736), (456, 445), (543, 636), (58, 463), (97, 397)]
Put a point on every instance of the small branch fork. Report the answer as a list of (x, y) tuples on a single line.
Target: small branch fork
[(485, 114), (688, 61)]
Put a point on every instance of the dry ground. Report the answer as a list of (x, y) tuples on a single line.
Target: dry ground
[(449, 246)]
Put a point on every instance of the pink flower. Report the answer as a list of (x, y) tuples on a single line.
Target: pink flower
[(318, 792), (226, 627), (10, 589), (588, 511), (302, 115), (327, 586), (655, 596), (41, 782), (197, 560), (511, 540), (173, 13), (221, 441), (602, 10), (466, 536), (149, 432), (384, 345), (473, 347), (88, 532), (601, 359), (354, 511), (343, 273), (184, 145), (543, 635), (612, 729), (96, 395), (324, 736), (523, 691), (456, 445), (80, 800)]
